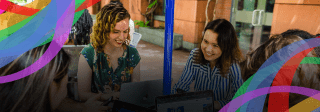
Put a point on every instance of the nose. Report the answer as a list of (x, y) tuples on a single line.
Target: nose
[(209, 49)]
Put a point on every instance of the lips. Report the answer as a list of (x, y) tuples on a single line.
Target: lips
[(119, 42), (209, 54)]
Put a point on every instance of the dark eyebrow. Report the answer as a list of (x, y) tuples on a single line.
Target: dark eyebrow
[(211, 43)]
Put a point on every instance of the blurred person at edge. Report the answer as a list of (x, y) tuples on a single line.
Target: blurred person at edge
[(108, 61), (214, 64), (306, 75), (304, 35), (81, 30), (43, 90)]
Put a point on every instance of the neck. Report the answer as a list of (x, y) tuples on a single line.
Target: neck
[(109, 49), (213, 63)]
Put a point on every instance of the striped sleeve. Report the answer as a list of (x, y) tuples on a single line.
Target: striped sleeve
[(235, 83), (186, 77)]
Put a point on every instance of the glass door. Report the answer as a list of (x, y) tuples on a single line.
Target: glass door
[(252, 21)]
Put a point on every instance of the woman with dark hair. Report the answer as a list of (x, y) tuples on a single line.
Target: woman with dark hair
[(43, 90), (306, 75), (304, 35), (108, 61), (214, 65), (81, 30), (301, 33)]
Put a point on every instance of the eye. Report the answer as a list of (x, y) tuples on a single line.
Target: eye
[(215, 45), (205, 41)]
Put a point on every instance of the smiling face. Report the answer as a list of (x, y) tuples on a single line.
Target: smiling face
[(209, 46), (119, 34)]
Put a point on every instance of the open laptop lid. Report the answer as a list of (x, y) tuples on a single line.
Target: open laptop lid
[(119, 106), (141, 93), (201, 101)]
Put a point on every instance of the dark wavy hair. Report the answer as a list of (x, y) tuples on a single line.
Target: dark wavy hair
[(228, 43), (306, 75), (81, 30), (31, 94), (106, 20), (304, 35)]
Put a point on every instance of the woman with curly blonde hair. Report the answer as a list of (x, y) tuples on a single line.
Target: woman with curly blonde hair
[(108, 61)]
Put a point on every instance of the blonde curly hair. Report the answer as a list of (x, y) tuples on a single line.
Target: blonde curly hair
[(106, 20)]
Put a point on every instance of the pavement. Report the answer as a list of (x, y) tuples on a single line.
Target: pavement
[(151, 64)]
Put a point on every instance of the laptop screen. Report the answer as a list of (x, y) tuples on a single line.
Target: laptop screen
[(119, 106), (141, 93), (186, 102)]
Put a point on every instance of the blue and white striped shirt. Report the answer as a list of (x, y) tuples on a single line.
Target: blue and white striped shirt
[(210, 79)]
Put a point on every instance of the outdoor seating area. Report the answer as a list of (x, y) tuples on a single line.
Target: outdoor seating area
[(159, 55)]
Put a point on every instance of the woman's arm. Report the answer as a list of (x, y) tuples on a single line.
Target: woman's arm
[(187, 76), (136, 74), (84, 79), (236, 83)]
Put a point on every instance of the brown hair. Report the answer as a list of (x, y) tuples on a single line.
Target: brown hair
[(106, 20), (227, 41), (31, 94), (307, 75)]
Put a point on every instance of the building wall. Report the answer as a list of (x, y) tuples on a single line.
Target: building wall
[(94, 8), (136, 7), (296, 14), (189, 15)]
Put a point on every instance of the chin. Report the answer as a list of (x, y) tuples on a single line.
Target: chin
[(208, 59), (117, 45)]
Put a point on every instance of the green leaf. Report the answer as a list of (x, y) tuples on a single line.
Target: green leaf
[(152, 4), (140, 23), (135, 22), (147, 23)]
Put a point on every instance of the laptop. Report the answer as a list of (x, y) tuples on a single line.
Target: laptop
[(201, 101), (141, 93), (119, 106), (73, 51)]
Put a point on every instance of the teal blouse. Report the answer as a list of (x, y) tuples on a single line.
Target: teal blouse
[(104, 79)]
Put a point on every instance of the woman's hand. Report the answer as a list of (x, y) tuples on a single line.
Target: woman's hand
[(105, 97), (116, 95), (217, 105), (93, 105)]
